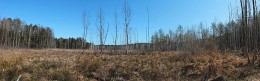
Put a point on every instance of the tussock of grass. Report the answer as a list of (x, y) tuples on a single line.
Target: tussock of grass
[(70, 65)]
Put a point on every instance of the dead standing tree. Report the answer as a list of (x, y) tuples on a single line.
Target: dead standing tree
[(147, 30), (116, 31), (255, 30), (85, 22), (127, 19), (102, 31), (246, 30)]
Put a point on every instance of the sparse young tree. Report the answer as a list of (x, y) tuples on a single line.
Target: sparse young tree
[(85, 22), (171, 38), (102, 31), (155, 40), (147, 30), (179, 37), (127, 18), (116, 30), (214, 29)]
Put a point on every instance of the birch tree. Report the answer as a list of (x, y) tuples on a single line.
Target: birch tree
[(116, 30), (101, 29), (85, 22), (127, 18)]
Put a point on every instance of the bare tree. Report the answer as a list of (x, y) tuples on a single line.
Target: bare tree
[(214, 30), (255, 23), (116, 30), (30, 34), (6, 30), (102, 31), (255, 30), (17, 26), (3, 30), (244, 10), (179, 36), (147, 30), (85, 21), (127, 19)]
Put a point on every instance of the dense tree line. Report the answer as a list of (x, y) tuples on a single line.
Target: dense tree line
[(14, 33), (240, 35), (72, 43), (237, 34), (219, 36)]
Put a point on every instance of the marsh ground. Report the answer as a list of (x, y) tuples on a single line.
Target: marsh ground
[(70, 65)]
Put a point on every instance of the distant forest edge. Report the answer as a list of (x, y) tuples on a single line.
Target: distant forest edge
[(241, 32), (240, 35), (16, 34)]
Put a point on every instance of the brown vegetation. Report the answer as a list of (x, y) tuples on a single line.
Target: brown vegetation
[(70, 65)]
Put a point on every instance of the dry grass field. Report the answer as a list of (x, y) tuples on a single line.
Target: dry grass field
[(70, 65)]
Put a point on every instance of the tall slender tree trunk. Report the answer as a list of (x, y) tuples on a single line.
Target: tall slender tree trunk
[(29, 38)]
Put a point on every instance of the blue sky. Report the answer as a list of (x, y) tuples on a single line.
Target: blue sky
[(64, 16)]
